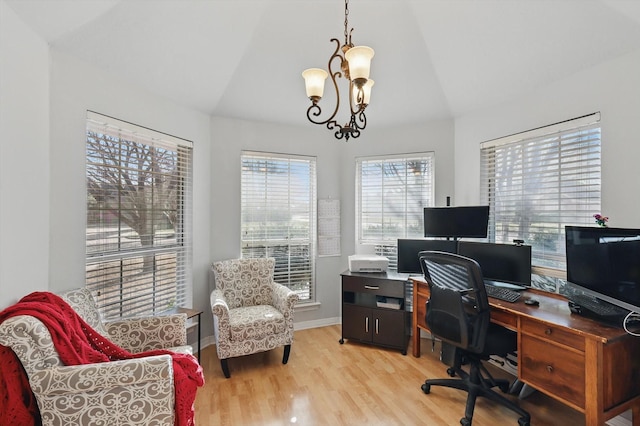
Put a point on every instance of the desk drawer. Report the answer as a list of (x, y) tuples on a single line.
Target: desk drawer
[(374, 286), (504, 319), (552, 333), (553, 370)]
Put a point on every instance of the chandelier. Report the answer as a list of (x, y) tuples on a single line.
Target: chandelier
[(354, 65)]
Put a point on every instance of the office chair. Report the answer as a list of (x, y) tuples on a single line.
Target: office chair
[(458, 314)]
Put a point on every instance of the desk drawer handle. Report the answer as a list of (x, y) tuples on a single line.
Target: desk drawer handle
[(548, 332), (550, 368), (372, 287)]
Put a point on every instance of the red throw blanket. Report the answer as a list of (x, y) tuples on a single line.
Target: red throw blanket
[(77, 343)]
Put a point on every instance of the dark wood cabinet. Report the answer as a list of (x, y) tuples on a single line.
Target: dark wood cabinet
[(364, 320)]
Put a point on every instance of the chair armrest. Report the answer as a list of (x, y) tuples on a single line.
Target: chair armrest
[(147, 333), (133, 392), (284, 299), (153, 371), (219, 305)]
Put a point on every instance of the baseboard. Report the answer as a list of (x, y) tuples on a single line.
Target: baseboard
[(303, 325)]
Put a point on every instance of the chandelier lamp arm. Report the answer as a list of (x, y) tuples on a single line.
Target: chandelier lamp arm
[(314, 110)]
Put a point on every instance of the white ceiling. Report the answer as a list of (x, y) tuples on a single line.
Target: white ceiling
[(435, 59)]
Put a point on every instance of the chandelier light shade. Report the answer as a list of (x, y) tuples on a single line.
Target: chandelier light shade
[(354, 64), (366, 92), (359, 59), (314, 82)]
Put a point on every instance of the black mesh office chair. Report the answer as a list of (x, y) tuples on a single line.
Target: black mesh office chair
[(458, 314)]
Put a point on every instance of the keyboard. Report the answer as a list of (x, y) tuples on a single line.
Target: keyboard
[(502, 293), (601, 308)]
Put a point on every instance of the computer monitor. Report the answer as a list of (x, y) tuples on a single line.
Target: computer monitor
[(456, 222), (605, 263), (408, 249), (500, 262)]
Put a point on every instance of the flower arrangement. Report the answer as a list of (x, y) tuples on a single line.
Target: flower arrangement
[(601, 220)]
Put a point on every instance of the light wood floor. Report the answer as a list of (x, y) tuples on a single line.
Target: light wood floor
[(326, 383)]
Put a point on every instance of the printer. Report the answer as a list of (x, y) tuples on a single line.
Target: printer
[(368, 263)]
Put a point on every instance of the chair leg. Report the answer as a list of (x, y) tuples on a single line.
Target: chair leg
[(225, 368), (285, 357)]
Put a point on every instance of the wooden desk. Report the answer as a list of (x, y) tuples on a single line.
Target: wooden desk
[(582, 363)]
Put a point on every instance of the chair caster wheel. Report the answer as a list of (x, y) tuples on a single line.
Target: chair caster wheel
[(426, 388), (341, 341), (451, 372), (465, 421), (523, 421)]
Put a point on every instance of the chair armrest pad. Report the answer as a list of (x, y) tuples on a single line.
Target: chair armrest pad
[(147, 333), (219, 305), (78, 379), (284, 299)]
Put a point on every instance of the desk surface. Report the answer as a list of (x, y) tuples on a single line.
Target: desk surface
[(554, 310)]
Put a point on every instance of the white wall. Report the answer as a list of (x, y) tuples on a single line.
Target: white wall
[(612, 88), (24, 159), (76, 88)]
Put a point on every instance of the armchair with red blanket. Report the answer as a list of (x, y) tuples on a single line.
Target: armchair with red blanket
[(56, 369)]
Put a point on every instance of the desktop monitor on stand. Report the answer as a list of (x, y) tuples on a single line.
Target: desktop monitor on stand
[(603, 271)]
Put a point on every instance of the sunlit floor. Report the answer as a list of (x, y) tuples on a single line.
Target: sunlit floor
[(326, 383)]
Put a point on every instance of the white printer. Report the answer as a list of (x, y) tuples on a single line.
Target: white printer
[(368, 263)]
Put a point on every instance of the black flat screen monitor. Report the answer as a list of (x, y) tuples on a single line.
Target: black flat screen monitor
[(456, 222), (500, 262), (408, 249), (605, 263)]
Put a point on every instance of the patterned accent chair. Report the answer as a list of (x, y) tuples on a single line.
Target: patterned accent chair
[(136, 335), (251, 312), (128, 392)]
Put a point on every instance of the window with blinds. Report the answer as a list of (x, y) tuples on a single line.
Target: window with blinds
[(278, 216), (539, 181), (391, 193), (138, 231)]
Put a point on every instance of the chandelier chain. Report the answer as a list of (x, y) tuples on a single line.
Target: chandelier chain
[(346, 22)]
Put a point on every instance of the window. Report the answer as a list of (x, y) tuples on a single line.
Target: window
[(539, 181), (278, 209), (138, 231), (391, 193)]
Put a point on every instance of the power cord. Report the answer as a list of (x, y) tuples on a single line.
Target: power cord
[(632, 317)]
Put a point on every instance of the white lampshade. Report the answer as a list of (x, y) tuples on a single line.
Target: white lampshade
[(359, 58), (314, 82), (367, 91)]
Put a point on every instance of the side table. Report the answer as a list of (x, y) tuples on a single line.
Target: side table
[(192, 313)]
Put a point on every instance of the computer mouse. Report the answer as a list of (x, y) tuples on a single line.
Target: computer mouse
[(532, 302)]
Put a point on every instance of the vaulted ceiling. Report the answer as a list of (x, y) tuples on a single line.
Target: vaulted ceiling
[(435, 59)]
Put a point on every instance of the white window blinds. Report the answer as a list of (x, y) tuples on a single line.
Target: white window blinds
[(278, 216), (138, 231), (391, 193), (539, 181)]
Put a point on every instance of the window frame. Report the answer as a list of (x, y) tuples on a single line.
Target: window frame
[(136, 266), (294, 268), (386, 244), (574, 149)]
